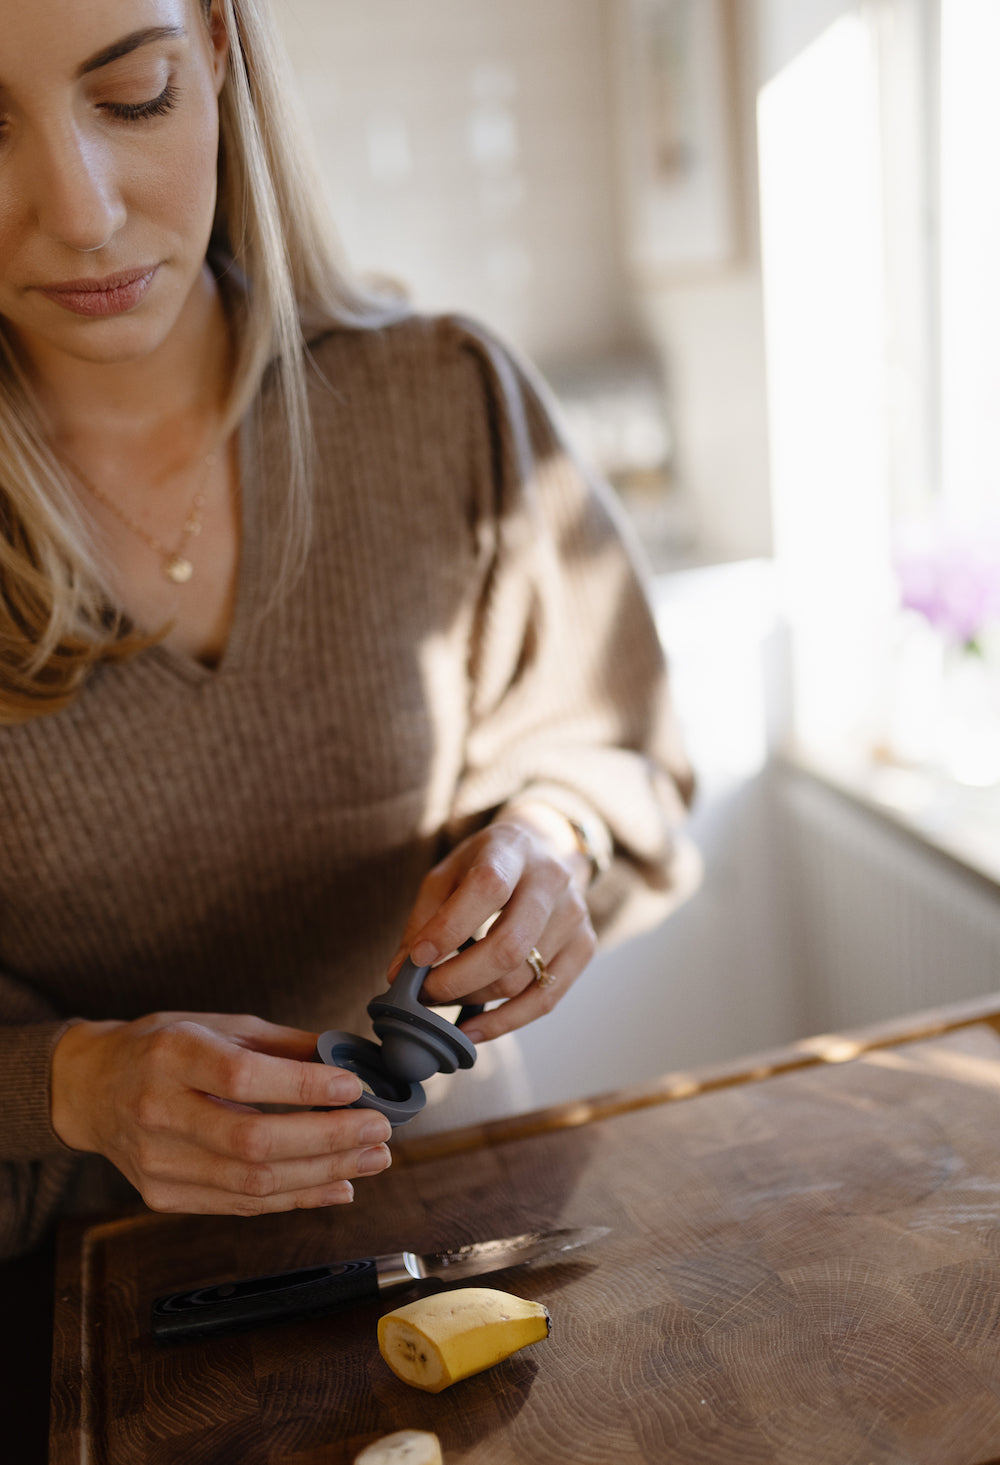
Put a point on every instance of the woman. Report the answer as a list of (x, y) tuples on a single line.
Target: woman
[(316, 649)]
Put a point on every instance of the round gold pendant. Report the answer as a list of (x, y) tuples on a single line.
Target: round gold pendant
[(178, 569)]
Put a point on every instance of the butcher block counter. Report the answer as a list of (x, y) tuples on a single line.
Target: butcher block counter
[(803, 1266)]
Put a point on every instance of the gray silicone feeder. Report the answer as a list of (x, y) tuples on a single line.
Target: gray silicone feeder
[(414, 1043)]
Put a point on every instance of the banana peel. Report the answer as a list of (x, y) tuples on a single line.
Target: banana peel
[(447, 1336)]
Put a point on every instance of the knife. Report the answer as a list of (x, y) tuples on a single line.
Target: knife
[(229, 1307)]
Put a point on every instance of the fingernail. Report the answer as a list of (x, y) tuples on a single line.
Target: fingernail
[(345, 1089), (374, 1160), (339, 1193), (424, 954), (474, 1035), (377, 1132)]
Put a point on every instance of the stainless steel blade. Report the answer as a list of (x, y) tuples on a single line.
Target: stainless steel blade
[(494, 1256)]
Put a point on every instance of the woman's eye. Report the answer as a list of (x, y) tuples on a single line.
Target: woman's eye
[(139, 111)]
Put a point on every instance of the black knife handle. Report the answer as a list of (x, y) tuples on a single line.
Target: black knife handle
[(229, 1307)]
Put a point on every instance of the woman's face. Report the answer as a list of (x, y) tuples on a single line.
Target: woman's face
[(108, 150)]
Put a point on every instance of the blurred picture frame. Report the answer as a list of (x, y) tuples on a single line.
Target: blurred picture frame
[(677, 110)]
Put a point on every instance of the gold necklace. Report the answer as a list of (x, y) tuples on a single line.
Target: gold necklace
[(175, 563)]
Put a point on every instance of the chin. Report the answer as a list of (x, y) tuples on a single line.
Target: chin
[(120, 344), (118, 340), (176, 299)]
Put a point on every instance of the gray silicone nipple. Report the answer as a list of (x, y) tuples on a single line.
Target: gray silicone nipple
[(408, 1057)]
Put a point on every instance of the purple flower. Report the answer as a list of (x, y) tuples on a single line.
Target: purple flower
[(950, 574)]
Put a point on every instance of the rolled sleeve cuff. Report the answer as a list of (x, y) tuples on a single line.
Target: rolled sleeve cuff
[(25, 1090)]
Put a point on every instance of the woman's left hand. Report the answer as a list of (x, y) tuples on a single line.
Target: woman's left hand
[(526, 866)]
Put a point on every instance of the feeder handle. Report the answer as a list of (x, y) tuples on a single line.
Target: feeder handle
[(414, 980)]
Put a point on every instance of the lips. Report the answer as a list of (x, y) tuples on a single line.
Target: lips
[(112, 295)]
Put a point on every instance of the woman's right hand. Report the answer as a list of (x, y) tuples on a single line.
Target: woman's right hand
[(171, 1100)]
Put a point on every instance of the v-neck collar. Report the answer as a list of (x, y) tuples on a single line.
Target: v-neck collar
[(248, 569)]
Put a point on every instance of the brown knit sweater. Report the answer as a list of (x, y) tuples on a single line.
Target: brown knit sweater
[(250, 838)]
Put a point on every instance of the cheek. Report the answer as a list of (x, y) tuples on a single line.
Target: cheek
[(180, 191), (5, 226)]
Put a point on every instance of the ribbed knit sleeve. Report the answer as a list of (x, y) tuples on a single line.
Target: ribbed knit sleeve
[(569, 687), (35, 1168)]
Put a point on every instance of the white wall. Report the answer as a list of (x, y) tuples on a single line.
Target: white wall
[(787, 27), (470, 148), (709, 332), (709, 336), (467, 149)]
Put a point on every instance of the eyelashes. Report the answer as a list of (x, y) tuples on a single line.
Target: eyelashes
[(141, 111), (157, 106)]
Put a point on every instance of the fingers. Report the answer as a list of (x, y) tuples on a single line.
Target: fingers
[(189, 1200), (213, 1064), (510, 875), (255, 1138), (486, 886), (234, 1188), (500, 870), (434, 890), (241, 1162), (546, 918), (260, 1190), (243, 1029), (534, 1000), (171, 1099)]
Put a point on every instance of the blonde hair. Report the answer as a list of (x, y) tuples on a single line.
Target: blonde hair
[(55, 622)]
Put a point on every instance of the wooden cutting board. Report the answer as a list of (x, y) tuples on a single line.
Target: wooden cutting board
[(804, 1269)]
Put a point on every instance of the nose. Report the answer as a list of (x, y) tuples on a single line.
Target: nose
[(77, 198)]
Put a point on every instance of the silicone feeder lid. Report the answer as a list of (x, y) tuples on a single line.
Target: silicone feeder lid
[(398, 1099)]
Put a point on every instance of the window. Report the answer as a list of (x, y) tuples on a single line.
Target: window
[(880, 240)]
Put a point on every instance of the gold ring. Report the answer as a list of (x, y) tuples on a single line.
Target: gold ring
[(543, 976)]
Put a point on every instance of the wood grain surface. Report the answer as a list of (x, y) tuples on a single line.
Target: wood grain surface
[(804, 1269)]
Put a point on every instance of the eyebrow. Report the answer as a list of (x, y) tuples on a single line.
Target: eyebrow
[(130, 43)]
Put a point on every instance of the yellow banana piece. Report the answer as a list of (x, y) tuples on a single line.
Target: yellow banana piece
[(405, 1447), (447, 1336)]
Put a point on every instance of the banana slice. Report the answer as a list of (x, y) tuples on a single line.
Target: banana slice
[(405, 1447), (448, 1336)]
